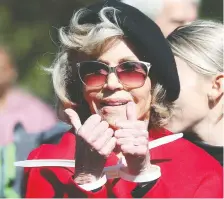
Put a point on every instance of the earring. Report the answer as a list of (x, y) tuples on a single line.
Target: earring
[(211, 100)]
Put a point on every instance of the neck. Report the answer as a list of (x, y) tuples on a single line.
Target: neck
[(210, 129)]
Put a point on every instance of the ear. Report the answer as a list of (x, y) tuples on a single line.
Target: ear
[(217, 88)]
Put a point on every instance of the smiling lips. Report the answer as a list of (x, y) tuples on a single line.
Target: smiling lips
[(114, 102)]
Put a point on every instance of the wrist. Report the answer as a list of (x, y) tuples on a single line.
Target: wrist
[(93, 185), (88, 171), (148, 175), (84, 178), (137, 165), (138, 169)]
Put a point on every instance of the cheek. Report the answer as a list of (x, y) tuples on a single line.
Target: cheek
[(192, 95), (90, 97), (142, 97), (192, 105), (190, 108)]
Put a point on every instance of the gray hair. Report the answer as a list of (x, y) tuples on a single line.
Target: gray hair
[(200, 45), (87, 39), (84, 38)]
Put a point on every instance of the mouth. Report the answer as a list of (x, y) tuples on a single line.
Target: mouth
[(112, 102)]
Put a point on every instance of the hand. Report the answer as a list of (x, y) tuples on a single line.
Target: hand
[(132, 137), (94, 143)]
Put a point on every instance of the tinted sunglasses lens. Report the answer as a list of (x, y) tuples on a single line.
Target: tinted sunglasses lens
[(93, 74), (132, 74)]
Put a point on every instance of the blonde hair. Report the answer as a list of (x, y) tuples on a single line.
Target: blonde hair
[(200, 45), (80, 40)]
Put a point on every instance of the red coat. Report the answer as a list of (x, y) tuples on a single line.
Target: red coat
[(187, 172)]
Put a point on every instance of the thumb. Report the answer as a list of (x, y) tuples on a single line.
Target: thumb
[(74, 117), (131, 111)]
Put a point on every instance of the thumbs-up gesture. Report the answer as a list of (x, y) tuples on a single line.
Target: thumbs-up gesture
[(94, 143), (132, 137)]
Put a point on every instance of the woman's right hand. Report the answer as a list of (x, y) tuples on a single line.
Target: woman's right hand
[(94, 143)]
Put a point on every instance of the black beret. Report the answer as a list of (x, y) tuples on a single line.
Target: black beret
[(146, 37)]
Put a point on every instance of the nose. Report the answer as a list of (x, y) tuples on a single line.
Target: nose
[(192, 12), (193, 15), (112, 82)]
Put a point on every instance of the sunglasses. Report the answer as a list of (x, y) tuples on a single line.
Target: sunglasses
[(131, 74)]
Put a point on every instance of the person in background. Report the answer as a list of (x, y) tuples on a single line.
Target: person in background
[(168, 14), (25, 123), (198, 112)]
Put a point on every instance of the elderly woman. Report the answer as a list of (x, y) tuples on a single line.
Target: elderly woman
[(198, 50), (113, 64)]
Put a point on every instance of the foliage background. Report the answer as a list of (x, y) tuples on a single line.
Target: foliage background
[(29, 29)]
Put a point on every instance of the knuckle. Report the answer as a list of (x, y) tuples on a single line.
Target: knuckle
[(124, 148), (139, 152), (96, 146), (113, 141), (95, 116), (131, 152), (104, 123), (117, 133), (103, 152), (81, 131), (90, 141), (110, 131), (140, 125), (144, 140), (119, 142), (109, 134), (118, 123)]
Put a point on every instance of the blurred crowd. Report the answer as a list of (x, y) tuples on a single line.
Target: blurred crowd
[(26, 121)]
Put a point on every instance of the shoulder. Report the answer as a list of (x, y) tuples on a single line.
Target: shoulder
[(65, 149), (184, 153), (183, 163), (187, 170)]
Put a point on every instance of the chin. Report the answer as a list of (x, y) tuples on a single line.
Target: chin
[(112, 119), (174, 128)]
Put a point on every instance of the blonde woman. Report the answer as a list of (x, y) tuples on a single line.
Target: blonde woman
[(113, 58), (198, 50)]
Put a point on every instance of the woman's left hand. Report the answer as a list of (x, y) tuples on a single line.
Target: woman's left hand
[(132, 137)]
